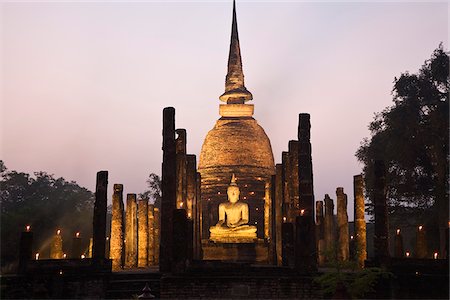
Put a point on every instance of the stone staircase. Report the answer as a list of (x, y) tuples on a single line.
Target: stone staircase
[(129, 284)]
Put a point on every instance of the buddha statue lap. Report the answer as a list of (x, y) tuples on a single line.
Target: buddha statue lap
[(232, 226)]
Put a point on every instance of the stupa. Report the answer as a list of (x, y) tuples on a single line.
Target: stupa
[(236, 145)]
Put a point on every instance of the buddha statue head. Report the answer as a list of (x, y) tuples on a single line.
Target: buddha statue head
[(233, 191)]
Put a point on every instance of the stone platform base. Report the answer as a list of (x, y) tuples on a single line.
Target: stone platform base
[(257, 251)]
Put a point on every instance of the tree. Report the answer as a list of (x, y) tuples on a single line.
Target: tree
[(46, 203), (154, 190), (412, 137)]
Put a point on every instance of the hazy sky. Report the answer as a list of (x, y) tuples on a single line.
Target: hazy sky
[(83, 84)]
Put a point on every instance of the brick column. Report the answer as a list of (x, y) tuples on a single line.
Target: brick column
[(342, 219), (306, 191), (142, 233), (99, 223), (131, 232), (360, 222), (169, 188), (117, 228)]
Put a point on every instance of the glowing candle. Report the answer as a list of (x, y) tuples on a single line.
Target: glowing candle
[(435, 255), (302, 212), (420, 227), (64, 255), (36, 256), (407, 254), (398, 231), (28, 228), (284, 219), (83, 256), (58, 232), (351, 237), (189, 215), (77, 235)]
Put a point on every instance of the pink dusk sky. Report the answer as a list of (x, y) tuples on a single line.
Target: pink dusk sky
[(83, 84)]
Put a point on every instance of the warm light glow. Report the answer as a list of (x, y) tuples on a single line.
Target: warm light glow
[(60, 272), (64, 255), (259, 178), (407, 254), (181, 204), (218, 193), (247, 186), (107, 238), (302, 212), (256, 222), (245, 198), (189, 214), (398, 231), (284, 219), (351, 237), (257, 208), (77, 235), (28, 228), (252, 193), (83, 256), (36, 256), (420, 227), (435, 255), (58, 232)]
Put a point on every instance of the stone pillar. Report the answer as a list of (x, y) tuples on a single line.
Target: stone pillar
[(287, 238), (181, 179), (293, 183), (99, 223), (320, 233), (91, 242), (286, 182), (329, 229), (131, 238), (398, 244), (25, 249), (198, 219), (142, 233), (151, 235), (267, 214), (180, 241), (56, 251), (77, 250), (342, 220), (306, 190), (360, 222), (191, 203), (421, 242), (279, 211), (117, 229), (381, 242), (157, 230), (302, 240), (273, 259), (169, 188)]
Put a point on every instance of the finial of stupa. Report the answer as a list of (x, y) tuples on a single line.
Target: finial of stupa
[(233, 180), (235, 91)]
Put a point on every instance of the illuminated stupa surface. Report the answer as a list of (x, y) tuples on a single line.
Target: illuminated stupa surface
[(237, 144)]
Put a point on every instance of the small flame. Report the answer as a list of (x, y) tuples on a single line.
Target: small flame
[(28, 228), (181, 204), (435, 255), (351, 237), (64, 255), (407, 254), (302, 212), (60, 272), (77, 235), (189, 215), (58, 232), (420, 227), (83, 256), (284, 219), (107, 238), (398, 231), (252, 193), (36, 256)]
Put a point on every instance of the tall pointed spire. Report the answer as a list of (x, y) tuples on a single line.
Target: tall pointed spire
[(235, 91)]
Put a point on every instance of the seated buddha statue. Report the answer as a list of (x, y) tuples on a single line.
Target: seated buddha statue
[(232, 226)]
